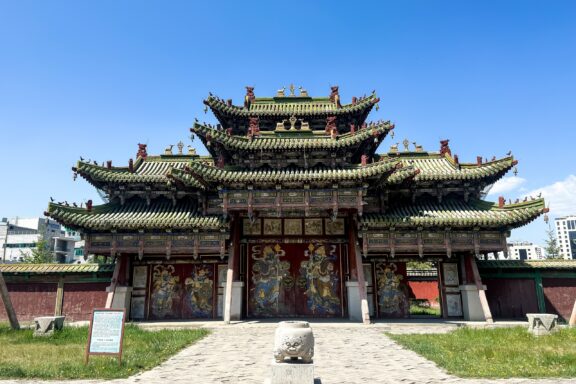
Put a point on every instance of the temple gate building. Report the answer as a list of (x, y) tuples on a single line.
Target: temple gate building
[(294, 214)]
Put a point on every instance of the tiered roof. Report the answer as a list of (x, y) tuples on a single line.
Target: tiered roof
[(251, 149)]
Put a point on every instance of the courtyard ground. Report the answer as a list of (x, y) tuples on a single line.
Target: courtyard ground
[(346, 353)]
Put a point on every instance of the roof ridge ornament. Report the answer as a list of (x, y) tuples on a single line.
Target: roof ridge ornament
[(249, 98), (335, 96)]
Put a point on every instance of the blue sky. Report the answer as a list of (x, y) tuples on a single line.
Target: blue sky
[(93, 79)]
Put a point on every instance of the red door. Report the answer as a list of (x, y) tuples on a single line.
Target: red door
[(181, 291), (291, 280), (392, 290)]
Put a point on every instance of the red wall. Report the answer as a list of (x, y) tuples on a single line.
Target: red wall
[(424, 290), (81, 298), (559, 296), (31, 300)]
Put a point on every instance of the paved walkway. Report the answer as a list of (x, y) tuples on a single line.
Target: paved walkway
[(345, 354)]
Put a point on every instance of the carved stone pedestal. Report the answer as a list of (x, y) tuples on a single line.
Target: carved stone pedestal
[(296, 372), (45, 326), (540, 324)]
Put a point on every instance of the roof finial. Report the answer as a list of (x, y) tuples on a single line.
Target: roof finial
[(292, 90), (180, 146), (249, 97), (406, 144), (444, 147)]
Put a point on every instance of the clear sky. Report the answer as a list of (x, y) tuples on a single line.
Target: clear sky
[(95, 78)]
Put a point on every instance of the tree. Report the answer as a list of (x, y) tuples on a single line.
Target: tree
[(41, 254), (552, 248)]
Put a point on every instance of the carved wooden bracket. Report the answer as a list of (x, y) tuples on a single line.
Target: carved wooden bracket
[(392, 242), (222, 248), (476, 242), (140, 246), (196, 245), (448, 242), (420, 242)]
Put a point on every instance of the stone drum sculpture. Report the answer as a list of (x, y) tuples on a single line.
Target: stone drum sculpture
[(294, 339)]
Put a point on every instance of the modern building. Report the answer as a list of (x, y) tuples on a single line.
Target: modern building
[(523, 250), (18, 237), (566, 236), (294, 214)]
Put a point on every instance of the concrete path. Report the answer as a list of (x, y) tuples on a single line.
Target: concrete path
[(345, 354)]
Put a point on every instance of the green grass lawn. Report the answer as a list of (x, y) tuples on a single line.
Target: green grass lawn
[(61, 356), (497, 353), (424, 310)]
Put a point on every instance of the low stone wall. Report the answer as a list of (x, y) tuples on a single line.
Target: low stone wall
[(34, 290)]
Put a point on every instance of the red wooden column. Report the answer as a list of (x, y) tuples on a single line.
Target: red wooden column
[(118, 277)]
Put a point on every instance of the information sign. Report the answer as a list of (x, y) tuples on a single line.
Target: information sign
[(106, 333)]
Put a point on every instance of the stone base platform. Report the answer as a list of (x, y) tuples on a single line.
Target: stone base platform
[(295, 372), (46, 325)]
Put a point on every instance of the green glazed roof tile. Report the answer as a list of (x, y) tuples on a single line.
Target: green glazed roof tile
[(153, 169), (208, 174), (456, 213), (436, 167), (135, 214), (274, 143), (290, 106)]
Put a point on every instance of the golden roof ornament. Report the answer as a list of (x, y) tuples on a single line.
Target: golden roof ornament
[(180, 146), (292, 90)]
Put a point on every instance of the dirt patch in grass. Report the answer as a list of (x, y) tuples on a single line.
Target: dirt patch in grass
[(497, 353), (61, 356)]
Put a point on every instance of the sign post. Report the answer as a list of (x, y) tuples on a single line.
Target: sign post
[(106, 333)]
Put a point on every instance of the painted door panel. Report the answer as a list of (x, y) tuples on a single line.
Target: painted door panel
[(182, 291), (291, 280)]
